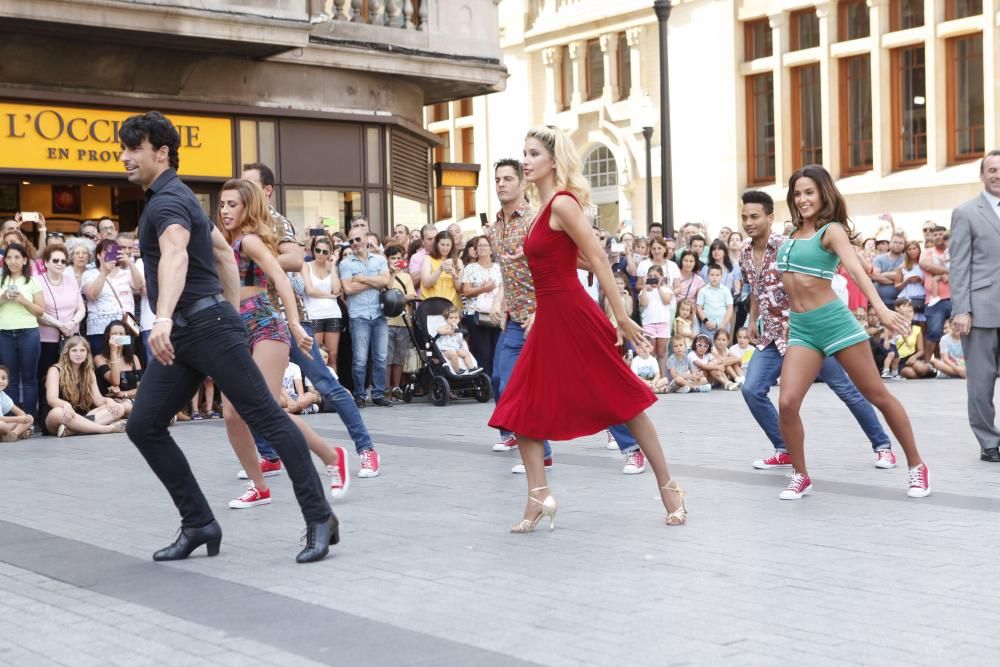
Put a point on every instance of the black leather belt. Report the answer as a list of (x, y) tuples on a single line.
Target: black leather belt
[(180, 319)]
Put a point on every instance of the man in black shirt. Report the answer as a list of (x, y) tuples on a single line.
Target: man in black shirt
[(193, 287)]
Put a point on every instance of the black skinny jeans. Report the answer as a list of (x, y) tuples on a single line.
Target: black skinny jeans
[(482, 343), (214, 343)]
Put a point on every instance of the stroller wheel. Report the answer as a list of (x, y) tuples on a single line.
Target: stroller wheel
[(483, 390), (440, 391)]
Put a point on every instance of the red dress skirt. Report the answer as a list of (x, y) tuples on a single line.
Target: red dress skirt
[(569, 380)]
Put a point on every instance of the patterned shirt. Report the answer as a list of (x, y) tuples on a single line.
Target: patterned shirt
[(285, 233), (765, 284), (507, 238)]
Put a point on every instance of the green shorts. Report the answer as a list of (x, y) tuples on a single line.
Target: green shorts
[(827, 329)]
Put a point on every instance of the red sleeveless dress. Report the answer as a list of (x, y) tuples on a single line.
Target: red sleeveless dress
[(569, 380)]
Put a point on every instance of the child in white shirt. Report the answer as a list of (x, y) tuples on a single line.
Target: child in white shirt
[(452, 344), (15, 424), (647, 367), (743, 350), (297, 398), (730, 363), (952, 361), (701, 356)]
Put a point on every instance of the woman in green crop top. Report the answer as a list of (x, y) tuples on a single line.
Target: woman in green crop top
[(820, 324)]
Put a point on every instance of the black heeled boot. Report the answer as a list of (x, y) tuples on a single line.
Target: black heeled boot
[(319, 537), (190, 539)]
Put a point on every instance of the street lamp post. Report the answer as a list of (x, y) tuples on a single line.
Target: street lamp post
[(662, 9), (647, 133)]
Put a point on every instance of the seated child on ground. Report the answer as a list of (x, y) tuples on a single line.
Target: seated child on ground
[(952, 361), (15, 424), (647, 367), (742, 350), (730, 363), (452, 344), (702, 358), (684, 377), (297, 398), (910, 347)]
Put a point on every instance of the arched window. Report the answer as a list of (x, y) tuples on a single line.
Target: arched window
[(600, 168)]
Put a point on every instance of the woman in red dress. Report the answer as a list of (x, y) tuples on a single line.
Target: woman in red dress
[(571, 339)]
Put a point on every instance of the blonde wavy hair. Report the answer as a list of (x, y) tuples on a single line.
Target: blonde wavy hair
[(568, 169), (256, 216), (75, 384)]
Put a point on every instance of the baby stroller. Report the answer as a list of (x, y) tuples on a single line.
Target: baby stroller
[(435, 375)]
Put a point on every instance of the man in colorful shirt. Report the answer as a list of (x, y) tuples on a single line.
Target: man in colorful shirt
[(514, 310), (768, 330)]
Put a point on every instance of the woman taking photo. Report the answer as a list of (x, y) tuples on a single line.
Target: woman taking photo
[(481, 283), (439, 275), (323, 288), (248, 227), (590, 396), (64, 310), (76, 406), (21, 304), (110, 290), (821, 325), (118, 370)]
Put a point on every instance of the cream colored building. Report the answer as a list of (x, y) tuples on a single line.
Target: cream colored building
[(897, 98)]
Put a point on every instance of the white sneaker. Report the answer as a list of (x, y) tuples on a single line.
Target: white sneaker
[(612, 443), (505, 445), (635, 463), (519, 468), (686, 389)]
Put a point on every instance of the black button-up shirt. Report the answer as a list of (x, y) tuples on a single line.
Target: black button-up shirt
[(170, 202)]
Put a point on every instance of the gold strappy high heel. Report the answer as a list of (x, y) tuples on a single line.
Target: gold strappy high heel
[(549, 507), (679, 515)]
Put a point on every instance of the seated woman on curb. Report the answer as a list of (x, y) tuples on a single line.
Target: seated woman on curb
[(77, 407), (118, 369)]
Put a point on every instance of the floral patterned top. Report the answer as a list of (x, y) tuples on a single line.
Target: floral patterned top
[(765, 284), (507, 238)]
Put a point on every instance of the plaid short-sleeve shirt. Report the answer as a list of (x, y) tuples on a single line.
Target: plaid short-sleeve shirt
[(765, 284), (507, 238)]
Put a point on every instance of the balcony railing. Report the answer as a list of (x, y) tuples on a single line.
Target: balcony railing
[(404, 14)]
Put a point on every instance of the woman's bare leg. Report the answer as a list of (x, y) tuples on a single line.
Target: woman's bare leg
[(798, 372), (532, 455), (642, 429), (75, 424), (860, 367)]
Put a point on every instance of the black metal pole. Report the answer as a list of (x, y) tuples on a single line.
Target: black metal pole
[(647, 132), (662, 9)]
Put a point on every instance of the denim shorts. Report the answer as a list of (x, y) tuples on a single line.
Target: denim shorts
[(827, 329), (328, 325)]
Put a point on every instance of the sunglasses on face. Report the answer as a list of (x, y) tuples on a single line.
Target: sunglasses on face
[(55, 235), (321, 252), (357, 240), (92, 237), (58, 260)]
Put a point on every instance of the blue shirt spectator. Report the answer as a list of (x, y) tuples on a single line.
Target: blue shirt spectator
[(364, 304)]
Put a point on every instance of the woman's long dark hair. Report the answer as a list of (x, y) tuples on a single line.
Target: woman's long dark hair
[(436, 250), (470, 245), (697, 261), (834, 207), (25, 272), (718, 244), (128, 351)]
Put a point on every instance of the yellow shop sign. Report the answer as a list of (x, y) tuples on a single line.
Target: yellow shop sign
[(55, 138)]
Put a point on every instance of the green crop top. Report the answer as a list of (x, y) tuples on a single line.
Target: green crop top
[(808, 256)]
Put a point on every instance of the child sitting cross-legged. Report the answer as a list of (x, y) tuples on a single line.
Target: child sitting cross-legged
[(296, 398), (702, 358), (910, 347), (647, 367), (731, 364), (15, 423), (742, 350), (684, 376), (452, 344), (952, 361)]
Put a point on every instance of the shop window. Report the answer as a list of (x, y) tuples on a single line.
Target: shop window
[(909, 107), (757, 39), (595, 70), (959, 9), (856, 113), (373, 154), (258, 143), (760, 128), (804, 29), (408, 211), (600, 168), (566, 79), (624, 67), (906, 14), (853, 20), (966, 127), (807, 133), (308, 208)]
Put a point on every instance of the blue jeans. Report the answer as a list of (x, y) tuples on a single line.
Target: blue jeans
[(329, 388), (508, 350), (763, 372), (19, 352), (936, 316), (369, 338), (144, 337)]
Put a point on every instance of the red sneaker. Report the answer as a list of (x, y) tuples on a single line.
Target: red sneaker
[(251, 498), (920, 486), (798, 486), (369, 464), (340, 475), (635, 463), (779, 460), (885, 459), (267, 469), (505, 445)]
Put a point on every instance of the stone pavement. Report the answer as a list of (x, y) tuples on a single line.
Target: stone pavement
[(427, 574)]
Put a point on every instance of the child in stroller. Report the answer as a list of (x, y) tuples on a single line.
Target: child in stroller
[(452, 344)]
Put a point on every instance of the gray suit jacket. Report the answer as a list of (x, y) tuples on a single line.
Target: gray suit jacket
[(975, 262)]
